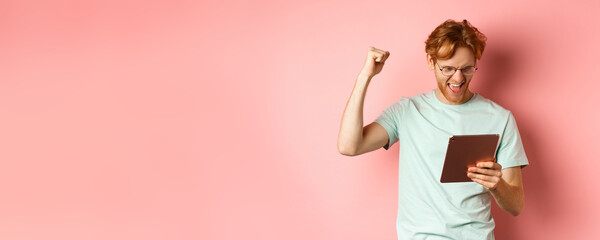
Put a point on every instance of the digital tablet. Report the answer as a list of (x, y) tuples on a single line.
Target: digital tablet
[(466, 151)]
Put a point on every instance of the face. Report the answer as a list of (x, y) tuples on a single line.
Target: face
[(453, 90)]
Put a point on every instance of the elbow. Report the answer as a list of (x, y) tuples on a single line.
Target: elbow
[(515, 213), (345, 150), (349, 154), (516, 210)]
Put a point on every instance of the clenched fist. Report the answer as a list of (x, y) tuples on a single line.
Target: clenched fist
[(374, 63)]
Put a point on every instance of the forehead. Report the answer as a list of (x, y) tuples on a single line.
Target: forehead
[(463, 56)]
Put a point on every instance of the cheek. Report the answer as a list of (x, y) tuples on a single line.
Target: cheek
[(442, 80), (469, 79)]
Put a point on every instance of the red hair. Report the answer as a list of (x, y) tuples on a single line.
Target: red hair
[(450, 35)]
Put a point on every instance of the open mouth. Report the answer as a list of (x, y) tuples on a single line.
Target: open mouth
[(455, 88)]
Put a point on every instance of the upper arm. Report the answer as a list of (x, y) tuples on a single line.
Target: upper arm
[(374, 137)]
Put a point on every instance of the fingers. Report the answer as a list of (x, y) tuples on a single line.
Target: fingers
[(487, 185), (486, 171), (483, 177), (488, 174), (491, 165), (374, 62), (378, 55), (487, 181)]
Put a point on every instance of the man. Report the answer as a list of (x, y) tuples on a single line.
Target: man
[(427, 208)]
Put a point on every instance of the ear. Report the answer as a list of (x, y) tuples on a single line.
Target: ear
[(430, 62)]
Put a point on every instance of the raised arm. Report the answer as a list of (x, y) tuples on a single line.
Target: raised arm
[(353, 138)]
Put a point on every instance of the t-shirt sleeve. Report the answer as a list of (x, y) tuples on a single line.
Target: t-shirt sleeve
[(390, 119), (510, 150)]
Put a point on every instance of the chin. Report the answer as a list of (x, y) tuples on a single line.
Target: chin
[(454, 98)]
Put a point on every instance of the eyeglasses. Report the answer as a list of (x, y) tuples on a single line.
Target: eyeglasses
[(449, 71)]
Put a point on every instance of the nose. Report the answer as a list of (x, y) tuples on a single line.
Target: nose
[(458, 76)]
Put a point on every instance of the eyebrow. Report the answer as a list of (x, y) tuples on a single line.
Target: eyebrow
[(459, 68)]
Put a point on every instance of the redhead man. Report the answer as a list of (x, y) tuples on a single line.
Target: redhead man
[(422, 124)]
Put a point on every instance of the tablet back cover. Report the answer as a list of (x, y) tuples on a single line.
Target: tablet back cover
[(466, 151)]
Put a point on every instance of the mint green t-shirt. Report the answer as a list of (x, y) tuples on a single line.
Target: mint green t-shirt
[(428, 209)]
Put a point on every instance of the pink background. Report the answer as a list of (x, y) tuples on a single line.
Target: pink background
[(219, 119)]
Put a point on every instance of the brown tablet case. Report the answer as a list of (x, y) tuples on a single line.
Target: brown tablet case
[(466, 151)]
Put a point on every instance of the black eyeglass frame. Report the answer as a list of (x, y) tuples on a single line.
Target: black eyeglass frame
[(455, 69)]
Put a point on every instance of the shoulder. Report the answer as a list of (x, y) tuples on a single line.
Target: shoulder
[(401, 103), (489, 105), (412, 102)]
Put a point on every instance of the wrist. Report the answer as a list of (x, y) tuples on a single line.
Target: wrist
[(363, 78), (499, 187)]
